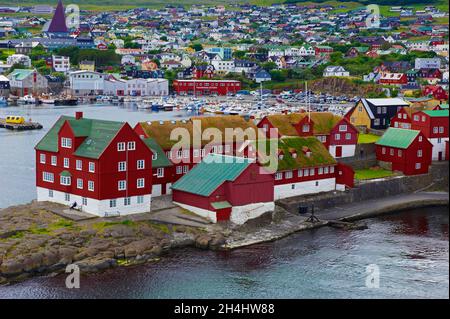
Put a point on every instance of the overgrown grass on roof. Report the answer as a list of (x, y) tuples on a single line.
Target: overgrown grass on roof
[(372, 173), (367, 138)]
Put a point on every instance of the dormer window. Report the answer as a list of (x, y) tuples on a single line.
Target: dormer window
[(343, 128), (66, 142)]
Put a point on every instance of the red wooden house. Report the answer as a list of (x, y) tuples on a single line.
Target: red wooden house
[(434, 125), (184, 157), (393, 79), (407, 151), (102, 166), (206, 87), (223, 188), (337, 134), (436, 91)]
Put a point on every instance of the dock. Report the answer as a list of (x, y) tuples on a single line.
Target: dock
[(26, 126)]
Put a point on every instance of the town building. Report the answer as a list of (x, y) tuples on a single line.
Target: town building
[(393, 78), (337, 134), (427, 63), (435, 127), (24, 81), (407, 151), (4, 86), (206, 87), (19, 59), (61, 63), (101, 166), (335, 71), (57, 27), (375, 113), (222, 188)]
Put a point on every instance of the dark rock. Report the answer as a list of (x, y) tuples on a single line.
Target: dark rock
[(202, 241), (217, 241), (11, 267)]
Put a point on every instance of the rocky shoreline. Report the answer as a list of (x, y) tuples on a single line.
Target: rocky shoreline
[(34, 241)]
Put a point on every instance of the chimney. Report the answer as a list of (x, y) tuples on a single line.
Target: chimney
[(78, 115)]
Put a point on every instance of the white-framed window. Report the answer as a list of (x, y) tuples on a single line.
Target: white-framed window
[(79, 183), (399, 115), (305, 128), (79, 165), (435, 129), (140, 164), (419, 153), (326, 170), (50, 193), (378, 110), (384, 109), (91, 167), (383, 150), (227, 148), (112, 203), (179, 170), (122, 166), (91, 186), (423, 119), (203, 152), (84, 201), (48, 177), (441, 129), (342, 128), (160, 172), (348, 136), (131, 146), (66, 142), (42, 159), (300, 173), (278, 176), (169, 154), (391, 152), (288, 174), (320, 170), (154, 156), (65, 180), (337, 136), (376, 122), (54, 160), (311, 172), (399, 153), (127, 201), (416, 118), (179, 154), (331, 169), (420, 138), (140, 199), (66, 162), (67, 197), (121, 146), (186, 154), (185, 168), (196, 153), (306, 172), (418, 165), (122, 185), (140, 183)]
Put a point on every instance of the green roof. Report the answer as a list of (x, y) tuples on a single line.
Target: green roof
[(212, 172), (98, 133), (436, 113), (294, 150), (161, 158), (20, 74), (397, 137), (220, 205)]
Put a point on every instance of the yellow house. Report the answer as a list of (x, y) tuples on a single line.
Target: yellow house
[(359, 116), (87, 65)]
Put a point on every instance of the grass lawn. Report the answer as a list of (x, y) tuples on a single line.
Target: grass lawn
[(367, 138), (372, 173)]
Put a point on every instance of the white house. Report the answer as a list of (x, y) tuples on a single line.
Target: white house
[(335, 71), (427, 63), (19, 59), (61, 63)]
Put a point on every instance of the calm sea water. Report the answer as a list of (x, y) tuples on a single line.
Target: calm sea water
[(410, 249), (17, 159)]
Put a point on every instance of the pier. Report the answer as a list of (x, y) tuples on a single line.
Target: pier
[(26, 126)]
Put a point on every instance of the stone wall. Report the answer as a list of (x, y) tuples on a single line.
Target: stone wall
[(365, 157), (436, 179)]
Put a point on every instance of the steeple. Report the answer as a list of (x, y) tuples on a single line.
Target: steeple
[(58, 23)]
